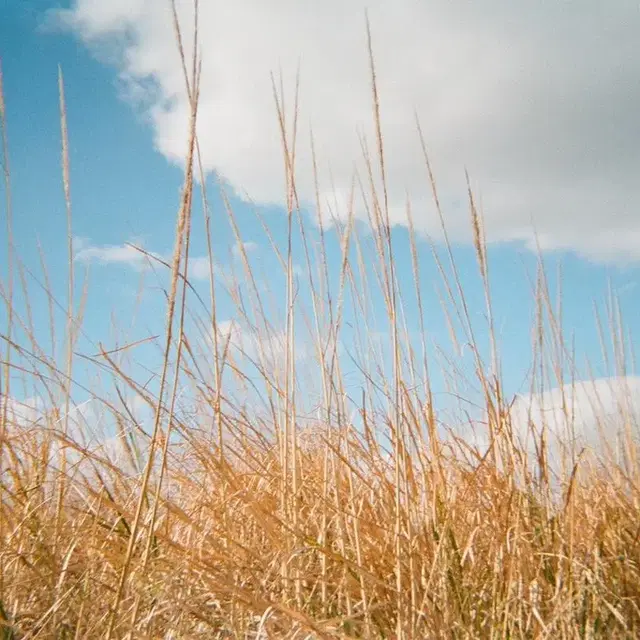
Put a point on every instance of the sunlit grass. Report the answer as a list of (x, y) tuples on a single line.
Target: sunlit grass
[(247, 519)]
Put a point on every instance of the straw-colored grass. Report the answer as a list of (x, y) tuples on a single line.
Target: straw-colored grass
[(252, 524)]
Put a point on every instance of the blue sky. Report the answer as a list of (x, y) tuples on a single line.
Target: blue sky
[(126, 175)]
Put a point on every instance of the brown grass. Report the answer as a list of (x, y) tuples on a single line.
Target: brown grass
[(251, 524)]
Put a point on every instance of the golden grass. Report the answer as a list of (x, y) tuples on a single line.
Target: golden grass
[(253, 525)]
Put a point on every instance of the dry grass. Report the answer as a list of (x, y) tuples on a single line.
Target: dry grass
[(251, 524)]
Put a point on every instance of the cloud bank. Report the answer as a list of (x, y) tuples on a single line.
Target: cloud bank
[(539, 99)]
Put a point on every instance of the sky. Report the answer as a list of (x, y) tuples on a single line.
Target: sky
[(537, 100)]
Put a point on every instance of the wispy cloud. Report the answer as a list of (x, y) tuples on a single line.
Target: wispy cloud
[(133, 255), (248, 247), (268, 348), (199, 268), (128, 254), (91, 428), (23, 413)]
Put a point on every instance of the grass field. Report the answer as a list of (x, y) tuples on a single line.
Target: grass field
[(376, 523)]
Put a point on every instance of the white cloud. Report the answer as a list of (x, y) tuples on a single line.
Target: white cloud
[(249, 247), (22, 413), (199, 268), (125, 254), (90, 426), (130, 256), (539, 99), (268, 349), (588, 414)]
